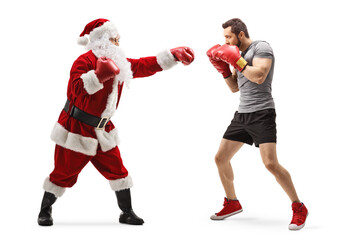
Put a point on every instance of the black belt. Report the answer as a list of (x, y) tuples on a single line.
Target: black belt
[(86, 118)]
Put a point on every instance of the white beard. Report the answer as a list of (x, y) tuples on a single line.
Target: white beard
[(104, 48)]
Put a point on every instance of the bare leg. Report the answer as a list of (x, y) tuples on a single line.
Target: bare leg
[(269, 157), (225, 153)]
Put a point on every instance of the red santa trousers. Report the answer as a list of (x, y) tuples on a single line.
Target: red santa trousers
[(68, 165)]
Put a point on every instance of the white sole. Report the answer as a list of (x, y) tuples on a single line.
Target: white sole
[(215, 217), (295, 227)]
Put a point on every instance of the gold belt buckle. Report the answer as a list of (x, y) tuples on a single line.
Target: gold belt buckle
[(102, 123)]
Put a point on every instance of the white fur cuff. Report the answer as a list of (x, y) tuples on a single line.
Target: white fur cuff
[(165, 59), (91, 82), (121, 184), (52, 188), (73, 141)]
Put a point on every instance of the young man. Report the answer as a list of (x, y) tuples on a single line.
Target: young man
[(84, 132), (254, 121)]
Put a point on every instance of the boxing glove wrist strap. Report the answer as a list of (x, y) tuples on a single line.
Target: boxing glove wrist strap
[(241, 64)]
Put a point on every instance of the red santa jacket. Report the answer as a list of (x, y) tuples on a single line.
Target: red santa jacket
[(99, 99)]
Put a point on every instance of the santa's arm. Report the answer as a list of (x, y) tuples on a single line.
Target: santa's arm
[(82, 78), (86, 80), (164, 60), (147, 66)]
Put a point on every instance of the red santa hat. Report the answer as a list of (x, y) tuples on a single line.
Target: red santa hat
[(96, 30)]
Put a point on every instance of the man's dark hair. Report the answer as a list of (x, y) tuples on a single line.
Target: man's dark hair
[(237, 26)]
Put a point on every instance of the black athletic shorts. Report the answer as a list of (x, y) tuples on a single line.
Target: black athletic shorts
[(256, 127)]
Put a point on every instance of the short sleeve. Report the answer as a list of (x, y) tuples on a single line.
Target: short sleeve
[(263, 50)]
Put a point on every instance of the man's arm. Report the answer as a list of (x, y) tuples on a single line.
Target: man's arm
[(223, 68), (232, 82), (258, 72)]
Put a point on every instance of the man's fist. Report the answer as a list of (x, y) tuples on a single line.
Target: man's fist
[(221, 67), (106, 69), (210, 52), (183, 54), (231, 55)]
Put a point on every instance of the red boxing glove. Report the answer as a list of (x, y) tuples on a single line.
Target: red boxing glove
[(231, 55), (106, 69), (183, 54), (221, 67)]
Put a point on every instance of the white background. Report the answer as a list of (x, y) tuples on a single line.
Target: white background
[(171, 123)]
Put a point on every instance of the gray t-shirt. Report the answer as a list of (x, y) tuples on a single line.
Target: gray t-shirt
[(255, 97)]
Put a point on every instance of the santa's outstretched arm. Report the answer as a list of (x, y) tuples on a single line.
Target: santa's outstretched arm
[(147, 66)]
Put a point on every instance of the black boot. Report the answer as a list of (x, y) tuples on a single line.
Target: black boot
[(45, 218), (124, 201)]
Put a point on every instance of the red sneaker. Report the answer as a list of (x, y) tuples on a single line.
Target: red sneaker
[(231, 207), (300, 214)]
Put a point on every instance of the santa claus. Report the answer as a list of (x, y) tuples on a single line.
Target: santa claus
[(84, 132)]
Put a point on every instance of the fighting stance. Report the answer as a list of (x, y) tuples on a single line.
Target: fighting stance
[(84, 132), (254, 121)]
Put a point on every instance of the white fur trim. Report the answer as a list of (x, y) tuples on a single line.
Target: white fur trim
[(82, 40), (53, 188), (111, 100), (125, 75), (107, 27), (121, 184), (73, 141), (91, 82), (107, 140), (165, 59)]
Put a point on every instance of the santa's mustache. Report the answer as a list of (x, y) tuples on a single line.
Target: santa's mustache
[(104, 48)]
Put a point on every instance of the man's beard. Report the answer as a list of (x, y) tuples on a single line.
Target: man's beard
[(104, 48), (239, 42)]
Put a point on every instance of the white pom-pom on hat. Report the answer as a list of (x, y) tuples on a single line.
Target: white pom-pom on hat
[(83, 41)]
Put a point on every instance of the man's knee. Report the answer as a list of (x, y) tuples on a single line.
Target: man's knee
[(220, 160), (271, 164)]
